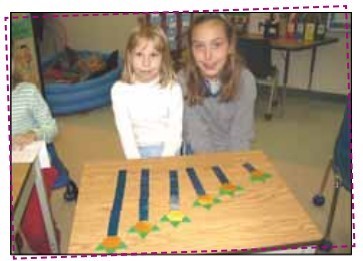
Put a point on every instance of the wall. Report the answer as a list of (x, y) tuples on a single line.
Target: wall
[(111, 32), (99, 33)]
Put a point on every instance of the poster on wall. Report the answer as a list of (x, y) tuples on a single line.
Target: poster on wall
[(25, 57)]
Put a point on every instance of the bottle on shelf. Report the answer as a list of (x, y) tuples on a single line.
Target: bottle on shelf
[(321, 26), (300, 27), (310, 27), (271, 26), (291, 26), (283, 25)]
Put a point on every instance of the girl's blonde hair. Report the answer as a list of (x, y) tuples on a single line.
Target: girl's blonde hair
[(156, 35), (230, 74), (17, 76)]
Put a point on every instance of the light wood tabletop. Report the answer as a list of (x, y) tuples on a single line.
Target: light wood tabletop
[(262, 216), (20, 172)]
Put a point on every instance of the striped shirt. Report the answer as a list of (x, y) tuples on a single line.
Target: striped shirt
[(29, 112)]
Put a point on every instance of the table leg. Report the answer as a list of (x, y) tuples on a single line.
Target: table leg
[(45, 208), (286, 75), (312, 65), (20, 208)]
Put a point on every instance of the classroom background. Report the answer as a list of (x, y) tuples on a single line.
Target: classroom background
[(299, 137)]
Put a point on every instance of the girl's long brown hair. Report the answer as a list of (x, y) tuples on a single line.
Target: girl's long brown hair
[(230, 74)]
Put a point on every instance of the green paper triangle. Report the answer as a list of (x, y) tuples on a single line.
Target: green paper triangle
[(225, 192), (239, 188), (164, 219), (155, 228), (100, 247), (208, 207), (132, 230), (110, 251), (216, 200), (143, 234), (186, 219), (175, 223)]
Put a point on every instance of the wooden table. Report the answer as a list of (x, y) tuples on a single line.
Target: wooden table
[(288, 46), (291, 45), (20, 173), (23, 178), (22, 182), (265, 216)]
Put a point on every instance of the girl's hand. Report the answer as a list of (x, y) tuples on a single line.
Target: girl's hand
[(20, 141)]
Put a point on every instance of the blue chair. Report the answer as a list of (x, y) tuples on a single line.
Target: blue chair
[(341, 166)]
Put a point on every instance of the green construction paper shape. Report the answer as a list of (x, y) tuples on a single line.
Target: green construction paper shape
[(164, 219), (175, 223), (196, 204), (230, 193), (143, 234), (223, 192), (216, 200), (260, 179), (101, 247), (187, 219), (155, 229), (132, 230), (206, 206)]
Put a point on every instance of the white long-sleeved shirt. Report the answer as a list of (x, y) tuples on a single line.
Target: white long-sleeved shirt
[(146, 115)]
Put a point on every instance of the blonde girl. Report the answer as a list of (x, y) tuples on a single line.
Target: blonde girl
[(147, 102)]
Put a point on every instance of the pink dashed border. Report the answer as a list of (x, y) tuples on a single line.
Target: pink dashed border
[(72, 15)]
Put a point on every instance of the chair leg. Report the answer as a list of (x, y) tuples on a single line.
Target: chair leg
[(326, 244), (268, 114), (326, 176), (319, 198)]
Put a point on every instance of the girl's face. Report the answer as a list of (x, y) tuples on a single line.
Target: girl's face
[(210, 48), (145, 61)]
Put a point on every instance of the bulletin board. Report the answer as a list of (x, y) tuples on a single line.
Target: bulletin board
[(175, 26), (24, 48)]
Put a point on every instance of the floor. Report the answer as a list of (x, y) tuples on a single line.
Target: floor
[(300, 143)]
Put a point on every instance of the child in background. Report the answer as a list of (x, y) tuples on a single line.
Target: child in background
[(147, 102), (219, 90), (31, 120)]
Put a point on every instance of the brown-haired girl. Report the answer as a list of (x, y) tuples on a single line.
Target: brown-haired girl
[(219, 90)]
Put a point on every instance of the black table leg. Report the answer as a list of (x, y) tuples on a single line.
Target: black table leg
[(312, 65), (286, 75)]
